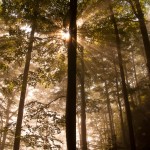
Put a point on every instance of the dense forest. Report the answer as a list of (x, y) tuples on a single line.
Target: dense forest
[(74, 74)]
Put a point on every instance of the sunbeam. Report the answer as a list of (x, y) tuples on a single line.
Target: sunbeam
[(94, 51), (65, 34), (90, 12)]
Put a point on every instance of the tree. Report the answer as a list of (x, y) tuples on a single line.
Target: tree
[(137, 9), (71, 84), (81, 76), (25, 78), (42, 133), (99, 88), (124, 88), (119, 106), (7, 113)]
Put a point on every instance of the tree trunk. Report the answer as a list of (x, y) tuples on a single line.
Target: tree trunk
[(1, 128), (71, 87), (132, 102), (139, 14), (120, 108), (106, 128), (111, 123), (6, 125), (124, 88), (136, 80), (24, 82), (83, 105), (144, 33), (79, 131)]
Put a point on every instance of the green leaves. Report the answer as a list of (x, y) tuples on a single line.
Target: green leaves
[(45, 128)]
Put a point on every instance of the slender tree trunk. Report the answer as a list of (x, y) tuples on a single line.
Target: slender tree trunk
[(6, 125), (120, 108), (83, 105), (23, 93), (126, 74), (111, 123), (24, 82), (144, 33), (79, 131), (124, 88), (107, 134), (71, 87), (1, 134), (136, 80), (127, 83), (99, 131), (139, 14)]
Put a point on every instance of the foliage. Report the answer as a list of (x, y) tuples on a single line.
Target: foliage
[(43, 124), (40, 126)]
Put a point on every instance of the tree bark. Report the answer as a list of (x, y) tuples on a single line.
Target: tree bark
[(71, 85), (107, 135), (24, 82), (111, 123), (79, 131), (139, 14), (124, 88), (2, 146), (1, 128), (130, 94), (120, 108), (136, 80), (83, 104)]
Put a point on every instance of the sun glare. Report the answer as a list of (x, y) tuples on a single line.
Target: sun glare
[(26, 28), (65, 34), (80, 22)]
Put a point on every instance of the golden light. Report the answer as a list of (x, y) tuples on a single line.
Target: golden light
[(65, 34), (80, 22)]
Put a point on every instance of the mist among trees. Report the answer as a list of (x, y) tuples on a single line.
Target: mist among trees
[(74, 74)]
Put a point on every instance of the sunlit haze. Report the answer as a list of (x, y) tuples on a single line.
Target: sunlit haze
[(65, 34), (43, 89)]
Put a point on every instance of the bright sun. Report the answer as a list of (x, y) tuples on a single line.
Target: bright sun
[(65, 34)]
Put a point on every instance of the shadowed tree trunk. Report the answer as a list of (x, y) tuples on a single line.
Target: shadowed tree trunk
[(120, 108), (83, 104), (24, 82), (124, 88), (79, 130), (111, 123), (1, 128), (107, 134), (139, 14), (71, 85), (130, 94), (136, 80), (2, 146)]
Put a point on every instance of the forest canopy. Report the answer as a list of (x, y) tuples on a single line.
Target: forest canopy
[(74, 74)]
